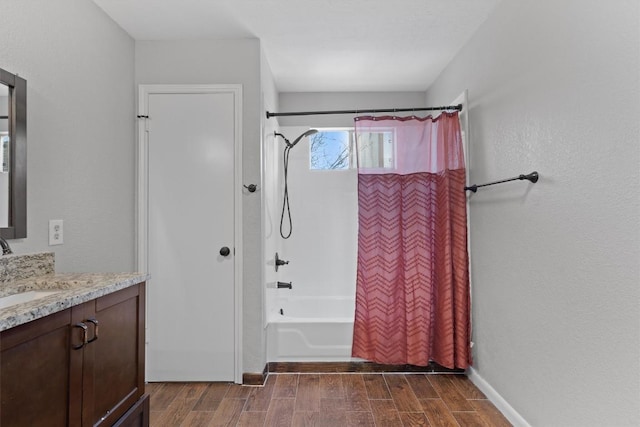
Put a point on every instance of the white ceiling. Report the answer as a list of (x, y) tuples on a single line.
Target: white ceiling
[(321, 45)]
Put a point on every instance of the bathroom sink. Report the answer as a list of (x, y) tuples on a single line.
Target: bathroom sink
[(23, 297)]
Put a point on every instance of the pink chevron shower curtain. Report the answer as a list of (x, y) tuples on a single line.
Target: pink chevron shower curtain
[(412, 292)]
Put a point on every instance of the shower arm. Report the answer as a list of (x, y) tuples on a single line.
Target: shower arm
[(283, 137), (295, 141)]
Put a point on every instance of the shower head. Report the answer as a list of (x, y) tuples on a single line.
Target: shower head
[(307, 133)]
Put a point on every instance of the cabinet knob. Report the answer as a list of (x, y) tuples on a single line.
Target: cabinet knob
[(225, 251)]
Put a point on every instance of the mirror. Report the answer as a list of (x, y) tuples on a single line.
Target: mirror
[(13, 156)]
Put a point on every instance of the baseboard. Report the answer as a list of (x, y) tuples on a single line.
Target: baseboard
[(498, 401), (360, 367), (249, 378)]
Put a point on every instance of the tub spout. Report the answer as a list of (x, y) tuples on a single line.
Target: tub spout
[(284, 285)]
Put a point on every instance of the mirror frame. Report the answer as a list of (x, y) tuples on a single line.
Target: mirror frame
[(17, 228)]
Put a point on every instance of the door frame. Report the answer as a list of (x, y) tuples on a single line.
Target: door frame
[(142, 194)]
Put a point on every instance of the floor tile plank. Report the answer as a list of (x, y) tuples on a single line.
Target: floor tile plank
[(238, 391), (211, 397), (449, 393), (360, 419), (308, 395), (332, 418), (466, 387), (331, 386), (329, 405), (195, 419), (154, 417), (180, 407), (163, 397), (286, 386), (438, 413), (252, 419), (490, 413), (414, 419), (421, 386), (470, 419), (305, 419), (403, 396), (260, 397), (319, 419), (376, 386), (280, 412), (228, 412), (152, 388), (356, 398), (385, 413), (193, 391)]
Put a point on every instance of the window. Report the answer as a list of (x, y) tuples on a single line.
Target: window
[(334, 149), (377, 149), (331, 149)]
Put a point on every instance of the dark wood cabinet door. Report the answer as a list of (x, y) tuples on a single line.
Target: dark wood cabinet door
[(52, 375), (114, 358), (40, 375), (137, 416)]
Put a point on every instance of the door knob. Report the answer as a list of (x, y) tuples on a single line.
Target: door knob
[(225, 251)]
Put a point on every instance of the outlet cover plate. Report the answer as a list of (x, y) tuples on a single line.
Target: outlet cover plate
[(56, 232)]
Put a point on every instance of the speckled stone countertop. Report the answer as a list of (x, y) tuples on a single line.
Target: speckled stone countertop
[(72, 289), (23, 266)]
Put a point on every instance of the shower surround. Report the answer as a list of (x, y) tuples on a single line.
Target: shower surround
[(317, 324)]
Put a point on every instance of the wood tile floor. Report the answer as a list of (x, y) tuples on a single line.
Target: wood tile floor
[(331, 400)]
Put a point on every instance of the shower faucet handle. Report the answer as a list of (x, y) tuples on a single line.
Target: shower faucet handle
[(280, 262)]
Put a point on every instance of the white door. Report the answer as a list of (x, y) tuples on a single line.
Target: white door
[(191, 303)]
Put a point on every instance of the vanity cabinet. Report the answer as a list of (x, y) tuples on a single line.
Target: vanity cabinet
[(83, 366)]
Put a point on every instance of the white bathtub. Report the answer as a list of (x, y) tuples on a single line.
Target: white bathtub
[(311, 329)]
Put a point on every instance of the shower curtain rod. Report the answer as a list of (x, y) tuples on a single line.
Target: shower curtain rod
[(533, 177), (385, 110)]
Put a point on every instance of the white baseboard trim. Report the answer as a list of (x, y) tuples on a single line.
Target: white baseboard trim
[(498, 401)]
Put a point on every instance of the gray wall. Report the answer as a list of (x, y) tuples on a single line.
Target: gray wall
[(269, 182), (220, 62), (553, 87), (80, 94)]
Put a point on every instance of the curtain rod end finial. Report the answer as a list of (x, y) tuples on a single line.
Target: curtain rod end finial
[(533, 177)]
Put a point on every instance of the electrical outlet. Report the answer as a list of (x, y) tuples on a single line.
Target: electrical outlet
[(56, 232)]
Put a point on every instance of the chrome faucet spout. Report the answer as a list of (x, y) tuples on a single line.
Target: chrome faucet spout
[(6, 249)]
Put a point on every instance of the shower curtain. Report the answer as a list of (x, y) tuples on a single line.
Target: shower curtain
[(412, 291)]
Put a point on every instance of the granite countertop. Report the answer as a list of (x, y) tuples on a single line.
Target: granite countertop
[(73, 289)]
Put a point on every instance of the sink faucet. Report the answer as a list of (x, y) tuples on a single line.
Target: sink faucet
[(6, 250)]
